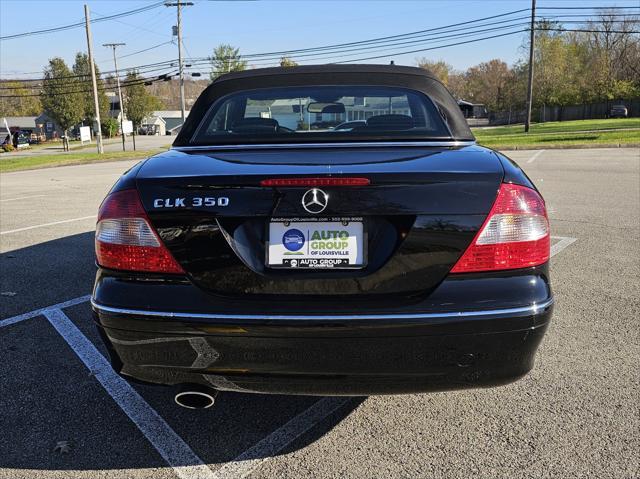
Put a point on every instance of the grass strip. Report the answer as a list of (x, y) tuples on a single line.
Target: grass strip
[(8, 164)]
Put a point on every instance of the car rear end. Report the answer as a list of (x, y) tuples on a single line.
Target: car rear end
[(619, 111), (335, 268)]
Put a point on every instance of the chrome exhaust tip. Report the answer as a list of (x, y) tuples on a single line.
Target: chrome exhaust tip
[(194, 396)]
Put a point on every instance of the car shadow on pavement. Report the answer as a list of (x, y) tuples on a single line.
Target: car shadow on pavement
[(46, 273), (50, 396)]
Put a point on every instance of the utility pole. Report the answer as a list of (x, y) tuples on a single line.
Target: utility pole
[(527, 120), (93, 79), (179, 5), (115, 63)]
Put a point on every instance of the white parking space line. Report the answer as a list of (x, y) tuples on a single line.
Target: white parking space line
[(38, 312), (47, 224), (536, 155), (172, 448), (248, 461), (562, 244), (22, 198)]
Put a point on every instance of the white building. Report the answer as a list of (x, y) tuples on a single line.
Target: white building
[(172, 120)]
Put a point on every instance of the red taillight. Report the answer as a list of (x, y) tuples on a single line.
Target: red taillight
[(343, 181), (514, 235), (125, 239)]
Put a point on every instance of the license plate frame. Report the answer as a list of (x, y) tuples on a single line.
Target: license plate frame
[(275, 258)]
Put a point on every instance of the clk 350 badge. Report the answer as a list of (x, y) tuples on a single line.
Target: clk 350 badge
[(195, 202)]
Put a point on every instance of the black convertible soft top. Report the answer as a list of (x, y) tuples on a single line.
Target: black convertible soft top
[(412, 78)]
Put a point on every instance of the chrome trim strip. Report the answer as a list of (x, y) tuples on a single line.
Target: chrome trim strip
[(281, 146), (533, 309)]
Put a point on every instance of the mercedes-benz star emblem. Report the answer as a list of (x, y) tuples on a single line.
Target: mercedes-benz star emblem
[(315, 201)]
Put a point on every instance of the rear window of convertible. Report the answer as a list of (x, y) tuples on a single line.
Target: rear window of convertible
[(319, 114)]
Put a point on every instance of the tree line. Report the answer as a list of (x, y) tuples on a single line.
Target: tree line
[(570, 68), (67, 97)]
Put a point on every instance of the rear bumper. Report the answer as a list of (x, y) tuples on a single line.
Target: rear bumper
[(341, 354)]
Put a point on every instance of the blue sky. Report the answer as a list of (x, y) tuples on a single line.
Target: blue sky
[(254, 27)]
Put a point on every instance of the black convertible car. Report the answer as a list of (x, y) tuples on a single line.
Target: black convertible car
[(260, 254)]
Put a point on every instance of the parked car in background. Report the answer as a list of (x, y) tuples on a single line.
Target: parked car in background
[(35, 139), (21, 139), (148, 130), (618, 111)]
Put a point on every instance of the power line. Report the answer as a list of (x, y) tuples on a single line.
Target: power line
[(141, 81), (411, 35), (344, 52), (376, 48), (375, 45), (407, 35), (334, 55), (431, 48), (472, 41), (379, 39), (326, 50), (406, 41), (82, 79), (278, 54), (148, 67), (588, 8), (146, 49), (585, 30), (140, 30), (597, 15), (390, 37), (81, 24), (426, 49), (271, 57), (325, 55)]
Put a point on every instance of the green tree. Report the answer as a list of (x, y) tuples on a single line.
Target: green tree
[(580, 67), (457, 85), (109, 126), (625, 89), (556, 67), (490, 83), (286, 62), (612, 52), (61, 97), (81, 67), (138, 102), (226, 59), (22, 103), (441, 69)]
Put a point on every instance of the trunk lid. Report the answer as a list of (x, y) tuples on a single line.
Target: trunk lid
[(419, 213)]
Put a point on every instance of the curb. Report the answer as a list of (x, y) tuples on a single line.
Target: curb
[(563, 147)]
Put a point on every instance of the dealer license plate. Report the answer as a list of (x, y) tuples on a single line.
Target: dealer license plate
[(316, 244)]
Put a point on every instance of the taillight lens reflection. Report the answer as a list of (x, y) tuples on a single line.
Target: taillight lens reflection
[(125, 239), (514, 235)]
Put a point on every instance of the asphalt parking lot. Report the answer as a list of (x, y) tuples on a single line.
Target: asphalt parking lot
[(575, 415)]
